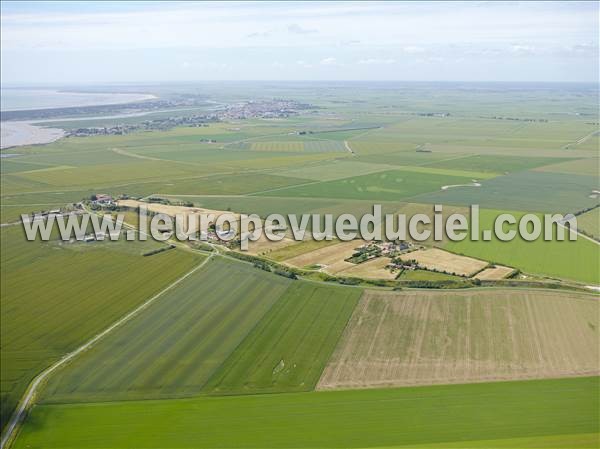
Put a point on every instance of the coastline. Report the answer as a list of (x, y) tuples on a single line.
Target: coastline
[(16, 134)]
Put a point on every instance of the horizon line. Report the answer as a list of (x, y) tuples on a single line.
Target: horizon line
[(11, 84)]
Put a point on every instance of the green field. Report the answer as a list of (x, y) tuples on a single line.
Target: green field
[(588, 166), (337, 169), (234, 356), (289, 348), (172, 348), (324, 146), (496, 164), (284, 147), (474, 134), (539, 413), (12, 166), (261, 205), (342, 134), (423, 275), (403, 158), (266, 205), (374, 150), (392, 185), (56, 296), (529, 191), (296, 146), (589, 223), (299, 248), (228, 184), (140, 163), (577, 260), (12, 213)]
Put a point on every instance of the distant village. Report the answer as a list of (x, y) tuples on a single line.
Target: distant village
[(148, 125), (276, 108), (266, 109)]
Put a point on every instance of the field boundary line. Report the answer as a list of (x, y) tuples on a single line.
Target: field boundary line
[(150, 158), (175, 195), (366, 132), (134, 155), (27, 400), (282, 188), (448, 159)]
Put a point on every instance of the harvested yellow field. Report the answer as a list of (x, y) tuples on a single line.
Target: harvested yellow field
[(331, 257), (372, 269), (411, 338), (170, 209), (263, 246), (440, 260), (494, 273)]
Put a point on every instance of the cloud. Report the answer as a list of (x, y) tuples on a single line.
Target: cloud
[(297, 29), (413, 50), (377, 61), (304, 64), (588, 49), (151, 40), (521, 49), (258, 34), (430, 59)]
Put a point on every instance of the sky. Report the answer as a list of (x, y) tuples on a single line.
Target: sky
[(110, 42)]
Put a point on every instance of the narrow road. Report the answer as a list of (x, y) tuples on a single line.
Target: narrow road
[(575, 231), (580, 141), (348, 147), (27, 400), (282, 188), (14, 223), (137, 156)]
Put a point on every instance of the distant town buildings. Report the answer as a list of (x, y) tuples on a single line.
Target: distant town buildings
[(276, 108)]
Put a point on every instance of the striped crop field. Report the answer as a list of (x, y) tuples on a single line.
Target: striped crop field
[(173, 347)]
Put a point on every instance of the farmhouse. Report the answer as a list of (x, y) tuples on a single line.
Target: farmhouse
[(103, 199), (391, 248)]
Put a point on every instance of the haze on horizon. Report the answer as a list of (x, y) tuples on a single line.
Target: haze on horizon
[(108, 42)]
